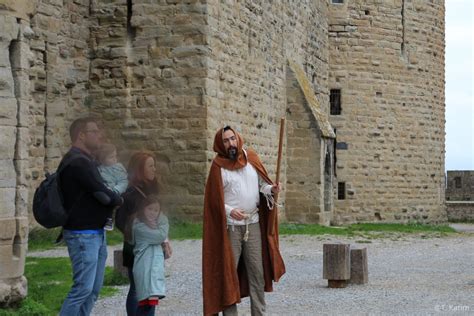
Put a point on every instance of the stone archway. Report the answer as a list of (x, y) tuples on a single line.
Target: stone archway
[(309, 172)]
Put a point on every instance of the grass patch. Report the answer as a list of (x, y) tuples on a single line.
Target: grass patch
[(114, 237), (49, 281), (113, 278), (311, 229), (28, 307), (401, 228), (358, 229), (43, 239), (182, 230)]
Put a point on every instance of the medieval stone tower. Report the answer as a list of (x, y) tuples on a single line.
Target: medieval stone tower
[(360, 83), (386, 79)]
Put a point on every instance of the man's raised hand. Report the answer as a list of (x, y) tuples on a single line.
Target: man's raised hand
[(276, 188)]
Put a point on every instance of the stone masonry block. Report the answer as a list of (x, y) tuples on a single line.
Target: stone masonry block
[(7, 202)]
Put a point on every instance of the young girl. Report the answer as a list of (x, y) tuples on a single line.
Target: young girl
[(142, 183), (149, 230), (113, 173)]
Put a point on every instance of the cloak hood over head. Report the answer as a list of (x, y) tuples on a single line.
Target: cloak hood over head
[(222, 158)]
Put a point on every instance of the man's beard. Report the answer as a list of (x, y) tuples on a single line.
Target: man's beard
[(232, 152)]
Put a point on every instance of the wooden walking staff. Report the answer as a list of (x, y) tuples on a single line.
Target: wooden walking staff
[(280, 151)]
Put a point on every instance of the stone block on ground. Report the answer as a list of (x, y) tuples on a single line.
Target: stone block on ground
[(359, 266), (118, 263), (336, 264)]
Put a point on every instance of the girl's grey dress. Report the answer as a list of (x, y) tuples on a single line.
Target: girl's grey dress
[(149, 264)]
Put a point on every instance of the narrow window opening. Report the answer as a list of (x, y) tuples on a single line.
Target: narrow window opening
[(341, 190), (402, 48), (131, 30), (342, 145), (457, 182), (337, 1), (335, 101)]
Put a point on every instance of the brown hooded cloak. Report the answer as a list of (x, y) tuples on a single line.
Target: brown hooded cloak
[(223, 286)]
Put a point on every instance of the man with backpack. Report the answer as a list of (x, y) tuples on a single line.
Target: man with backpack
[(87, 202)]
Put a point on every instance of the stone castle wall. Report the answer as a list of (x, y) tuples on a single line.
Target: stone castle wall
[(387, 57), (174, 73), (147, 82), (460, 185), (460, 195), (460, 211), (15, 98), (59, 80), (251, 42), (44, 76), (164, 76)]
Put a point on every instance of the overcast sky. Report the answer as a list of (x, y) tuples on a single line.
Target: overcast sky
[(459, 85)]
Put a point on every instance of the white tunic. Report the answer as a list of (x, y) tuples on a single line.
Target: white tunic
[(241, 191)]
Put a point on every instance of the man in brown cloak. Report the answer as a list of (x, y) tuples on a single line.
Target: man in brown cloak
[(241, 254)]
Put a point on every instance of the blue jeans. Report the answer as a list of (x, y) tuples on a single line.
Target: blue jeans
[(132, 301), (88, 253)]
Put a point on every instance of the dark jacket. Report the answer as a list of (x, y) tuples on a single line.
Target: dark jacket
[(131, 199), (85, 196)]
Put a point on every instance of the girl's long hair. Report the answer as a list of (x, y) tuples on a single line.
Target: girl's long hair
[(136, 172)]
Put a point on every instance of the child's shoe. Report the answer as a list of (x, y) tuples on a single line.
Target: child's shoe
[(109, 224)]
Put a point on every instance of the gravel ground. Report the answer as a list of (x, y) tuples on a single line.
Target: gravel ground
[(463, 227), (407, 276)]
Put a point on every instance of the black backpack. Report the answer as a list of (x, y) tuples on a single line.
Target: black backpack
[(48, 208)]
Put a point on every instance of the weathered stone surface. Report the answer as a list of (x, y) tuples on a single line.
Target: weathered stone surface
[(6, 83), (8, 111), (394, 125), (460, 185), (16, 60), (307, 201), (12, 290), (17, 8), (118, 263), (7, 230), (12, 260), (10, 27), (460, 211), (359, 266), (336, 264)]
